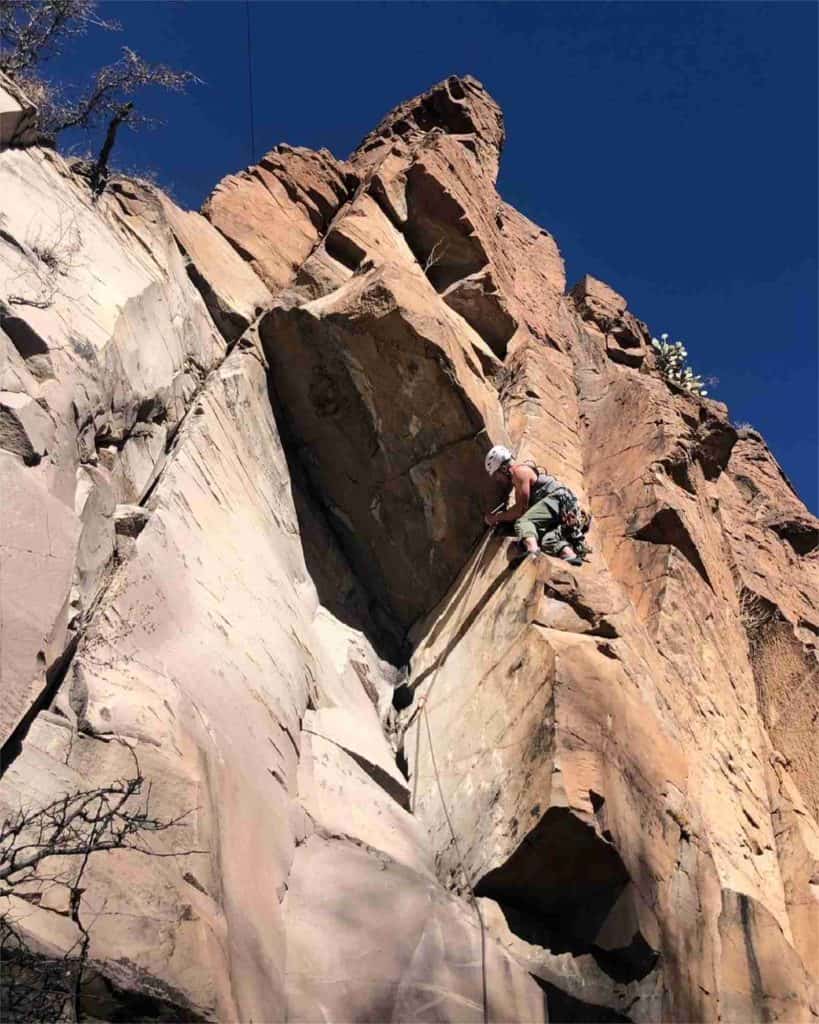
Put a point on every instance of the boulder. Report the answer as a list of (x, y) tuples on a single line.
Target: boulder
[(26, 429)]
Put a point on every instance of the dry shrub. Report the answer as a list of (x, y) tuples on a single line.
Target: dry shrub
[(786, 674)]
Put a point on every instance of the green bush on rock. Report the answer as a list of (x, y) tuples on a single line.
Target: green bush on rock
[(671, 362)]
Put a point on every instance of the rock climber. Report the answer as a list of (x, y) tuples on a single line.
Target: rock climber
[(536, 511)]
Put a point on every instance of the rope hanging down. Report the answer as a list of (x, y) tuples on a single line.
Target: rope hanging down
[(250, 85), (472, 898), (423, 716)]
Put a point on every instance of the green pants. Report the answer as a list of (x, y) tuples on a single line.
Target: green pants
[(542, 520)]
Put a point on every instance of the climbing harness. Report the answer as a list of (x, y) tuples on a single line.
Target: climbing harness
[(574, 519), (544, 486)]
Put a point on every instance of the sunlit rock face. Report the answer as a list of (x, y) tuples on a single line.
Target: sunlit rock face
[(241, 468)]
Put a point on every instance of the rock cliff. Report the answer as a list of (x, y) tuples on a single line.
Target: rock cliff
[(242, 539)]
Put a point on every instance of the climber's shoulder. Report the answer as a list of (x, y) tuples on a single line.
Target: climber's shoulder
[(523, 472)]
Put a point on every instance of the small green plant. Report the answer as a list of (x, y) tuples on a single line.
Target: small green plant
[(671, 362)]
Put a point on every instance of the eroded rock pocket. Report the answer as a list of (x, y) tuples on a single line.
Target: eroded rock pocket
[(566, 889)]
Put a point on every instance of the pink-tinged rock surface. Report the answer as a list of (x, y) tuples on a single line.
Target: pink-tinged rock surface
[(274, 213), (241, 456), (103, 341)]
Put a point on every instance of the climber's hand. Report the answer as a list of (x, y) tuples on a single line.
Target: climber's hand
[(491, 519)]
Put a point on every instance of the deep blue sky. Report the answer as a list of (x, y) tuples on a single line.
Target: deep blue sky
[(670, 147)]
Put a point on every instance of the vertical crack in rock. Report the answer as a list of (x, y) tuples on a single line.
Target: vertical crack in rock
[(757, 989), (55, 675)]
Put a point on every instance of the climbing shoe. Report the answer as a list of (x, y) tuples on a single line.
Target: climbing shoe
[(568, 555), (518, 552)]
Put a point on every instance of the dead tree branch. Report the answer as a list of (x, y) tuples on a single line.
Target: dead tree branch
[(31, 31), (99, 172), (110, 90), (436, 254), (49, 847), (46, 257)]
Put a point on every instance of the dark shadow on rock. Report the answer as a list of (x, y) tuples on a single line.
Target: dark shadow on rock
[(402, 697), (405, 506), (628, 963), (565, 1009), (339, 589), (565, 888), (54, 677), (439, 232), (24, 338), (466, 624), (801, 533), (714, 442), (478, 301), (667, 527), (119, 992)]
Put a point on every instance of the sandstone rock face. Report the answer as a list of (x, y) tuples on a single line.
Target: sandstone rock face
[(18, 115), (232, 292), (104, 343), (242, 547), (273, 214)]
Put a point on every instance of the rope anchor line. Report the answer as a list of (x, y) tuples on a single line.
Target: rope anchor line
[(250, 85), (421, 708)]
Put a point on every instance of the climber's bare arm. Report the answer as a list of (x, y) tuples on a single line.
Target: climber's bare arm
[(522, 482)]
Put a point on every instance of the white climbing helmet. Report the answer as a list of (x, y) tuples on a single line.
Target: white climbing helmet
[(497, 457)]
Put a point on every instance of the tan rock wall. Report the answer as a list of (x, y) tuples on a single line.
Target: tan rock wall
[(241, 453), (104, 335)]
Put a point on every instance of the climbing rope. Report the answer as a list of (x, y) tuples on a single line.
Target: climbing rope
[(472, 897), (250, 84), (473, 572), (422, 708)]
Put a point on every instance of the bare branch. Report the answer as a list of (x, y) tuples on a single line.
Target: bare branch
[(31, 31), (77, 824), (110, 90), (74, 826), (435, 256), (34, 987), (47, 256)]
